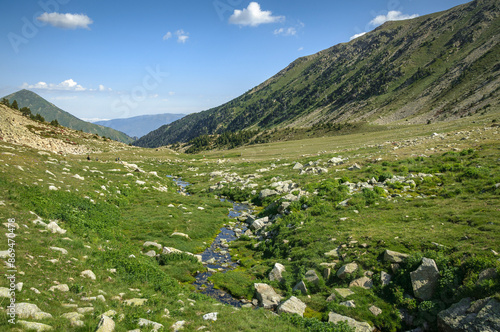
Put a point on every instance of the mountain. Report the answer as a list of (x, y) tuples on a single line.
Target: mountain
[(139, 126), (435, 67), (49, 111)]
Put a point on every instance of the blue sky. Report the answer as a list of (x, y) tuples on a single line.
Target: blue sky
[(117, 59)]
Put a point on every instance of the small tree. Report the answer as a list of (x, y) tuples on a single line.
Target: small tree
[(14, 105), (25, 111), (54, 123), (6, 102), (39, 118)]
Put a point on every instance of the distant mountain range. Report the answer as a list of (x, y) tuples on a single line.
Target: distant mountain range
[(435, 67), (139, 126), (49, 111)]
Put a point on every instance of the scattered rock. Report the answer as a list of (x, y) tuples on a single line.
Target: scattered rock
[(394, 256), (54, 228), (4, 292), (385, 278), (106, 324), (332, 253), (35, 326), (180, 234), (75, 318), (85, 310), (375, 310), (301, 286), (179, 325), (490, 273), (267, 296), (61, 288), (311, 277), (29, 310), (424, 279), (267, 192), (298, 166), (344, 292), (155, 326), (354, 167), (210, 316), (61, 250), (292, 306), (363, 282), (135, 301), (358, 326), (347, 269), (88, 274), (349, 304), (276, 272), (480, 315)]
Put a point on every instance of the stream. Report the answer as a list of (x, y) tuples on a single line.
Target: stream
[(217, 258)]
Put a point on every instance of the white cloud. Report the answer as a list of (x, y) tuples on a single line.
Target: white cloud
[(182, 36), (300, 49), (67, 85), (253, 16), (392, 15), (357, 35), (168, 35), (291, 31), (66, 21), (171, 93)]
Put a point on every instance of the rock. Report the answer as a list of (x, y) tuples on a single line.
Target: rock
[(35, 326), (347, 269), (298, 166), (101, 298), (267, 192), (311, 277), (358, 326), (424, 279), (106, 324), (155, 326), (344, 292), (4, 254), (332, 253), (61, 250), (481, 315), (54, 228), (28, 310), (332, 297), (490, 273), (267, 296), (210, 316), (385, 278), (301, 286), (135, 301), (75, 318), (276, 272), (151, 253), (149, 243), (180, 234), (179, 325), (394, 256), (363, 282), (335, 161), (88, 274), (326, 273), (349, 304), (282, 208), (354, 167), (4, 292), (375, 310), (259, 223), (76, 176), (53, 188), (61, 288), (292, 306)]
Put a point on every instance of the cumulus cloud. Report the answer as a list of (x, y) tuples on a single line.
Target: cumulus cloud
[(392, 15), (357, 35), (291, 31), (182, 36), (66, 21), (67, 85), (253, 16)]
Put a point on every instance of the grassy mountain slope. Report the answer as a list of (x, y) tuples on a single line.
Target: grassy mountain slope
[(139, 126), (49, 111), (435, 67)]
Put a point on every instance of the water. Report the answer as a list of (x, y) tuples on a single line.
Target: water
[(217, 256)]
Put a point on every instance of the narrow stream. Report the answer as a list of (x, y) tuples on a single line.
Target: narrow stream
[(217, 258)]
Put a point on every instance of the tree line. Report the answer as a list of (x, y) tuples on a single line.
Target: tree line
[(26, 111)]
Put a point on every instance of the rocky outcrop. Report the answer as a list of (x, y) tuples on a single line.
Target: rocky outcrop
[(468, 316), (424, 279), (358, 326), (267, 296), (276, 272), (394, 256), (347, 269)]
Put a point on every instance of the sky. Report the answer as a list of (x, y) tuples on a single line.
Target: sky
[(118, 59)]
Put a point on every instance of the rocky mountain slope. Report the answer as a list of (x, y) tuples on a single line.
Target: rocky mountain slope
[(49, 111), (139, 126), (436, 67)]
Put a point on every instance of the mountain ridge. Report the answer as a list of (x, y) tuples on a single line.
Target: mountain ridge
[(37, 104), (435, 67)]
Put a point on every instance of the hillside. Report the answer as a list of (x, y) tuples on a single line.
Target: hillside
[(390, 231), (49, 111), (139, 126), (436, 67)]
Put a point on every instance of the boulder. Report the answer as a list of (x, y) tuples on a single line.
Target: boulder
[(363, 282), (347, 269), (149, 243), (267, 296), (35, 326), (180, 234), (54, 228), (424, 279), (276, 272), (292, 306), (75, 318), (106, 324), (344, 292), (466, 315), (490, 273), (135, 302), (88, 274), (267, 192), (332, 253), (61, 288), (154, 325), (311, 277), (29, 310), (375, 310), (354, 167), (301, 286), (358, 326), (335, 161), (259, 223), (349, 304), (394, 256), (210, 316), (61, 250), (385, 278), (179, 325), (298, 166)]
